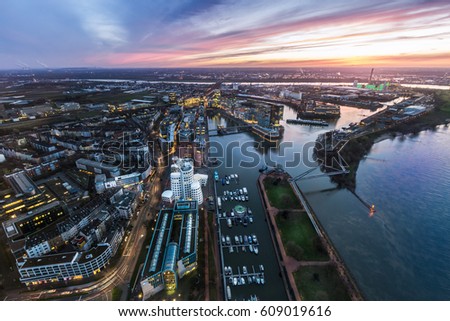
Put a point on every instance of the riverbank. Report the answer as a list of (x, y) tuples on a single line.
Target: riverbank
[(355, 150), (287, 265), (344, 273), (314, 269)]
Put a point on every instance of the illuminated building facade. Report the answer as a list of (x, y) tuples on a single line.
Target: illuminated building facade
[(68, 266), (184, 184), (173, 249)]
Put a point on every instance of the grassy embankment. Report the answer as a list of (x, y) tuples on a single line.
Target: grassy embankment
[(314, 281), (281, 194), (320, 283)]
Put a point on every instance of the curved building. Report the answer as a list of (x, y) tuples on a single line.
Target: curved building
[(196, 192), (181, 178), (187, 176), (175, 184)]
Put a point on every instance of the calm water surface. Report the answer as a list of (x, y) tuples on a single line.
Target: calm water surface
[(403, 251)]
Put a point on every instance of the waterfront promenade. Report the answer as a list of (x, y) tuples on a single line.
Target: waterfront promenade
[(289, 264), (335, 259)]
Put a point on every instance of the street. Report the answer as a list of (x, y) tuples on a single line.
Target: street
[(118, 275)]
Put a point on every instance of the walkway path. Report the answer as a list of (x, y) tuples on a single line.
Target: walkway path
[(287, 261)]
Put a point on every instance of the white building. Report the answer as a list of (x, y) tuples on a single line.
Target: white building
[(168, 196), (187, 178), (196, 191), (181, 178), (175, 184), (70, 106), (184, 183), (290, 94), (202, 178), (38, 249), (71, 265)]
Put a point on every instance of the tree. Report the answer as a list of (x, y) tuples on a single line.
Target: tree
[(294, 250), (316, 277)]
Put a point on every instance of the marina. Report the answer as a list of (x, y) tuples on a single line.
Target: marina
[(244, 251)]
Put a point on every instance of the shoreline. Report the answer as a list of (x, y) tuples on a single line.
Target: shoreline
[(342, 270)]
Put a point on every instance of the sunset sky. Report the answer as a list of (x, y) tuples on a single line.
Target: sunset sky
[(223, 33)]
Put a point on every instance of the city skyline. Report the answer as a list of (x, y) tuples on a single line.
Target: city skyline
[(49, 34)]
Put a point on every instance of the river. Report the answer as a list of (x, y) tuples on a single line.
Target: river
[(400, 253)]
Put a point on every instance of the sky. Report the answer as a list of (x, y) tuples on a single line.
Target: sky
[(223, 33)]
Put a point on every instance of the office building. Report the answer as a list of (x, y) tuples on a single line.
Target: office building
[(173, 249), (184, 184), (97, 167)]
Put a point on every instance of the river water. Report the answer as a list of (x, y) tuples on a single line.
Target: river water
[(400, 253)]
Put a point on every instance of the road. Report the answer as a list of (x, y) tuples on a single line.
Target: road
[(118, 275)]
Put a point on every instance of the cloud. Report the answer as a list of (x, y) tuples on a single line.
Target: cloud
[(100, 22), (161, 33)]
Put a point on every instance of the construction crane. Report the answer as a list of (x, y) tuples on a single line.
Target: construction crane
[(370, 78)]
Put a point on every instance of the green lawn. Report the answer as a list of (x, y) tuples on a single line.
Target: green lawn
[(116, 293), (320, 283), (300, 240), (443, 100), (280, 193)]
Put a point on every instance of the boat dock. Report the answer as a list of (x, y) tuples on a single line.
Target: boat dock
[(237, 244), (245, 276)]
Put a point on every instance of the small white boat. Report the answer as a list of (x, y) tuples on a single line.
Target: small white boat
[(228, 292), (244, 269), (235, 281), (255, 249)]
